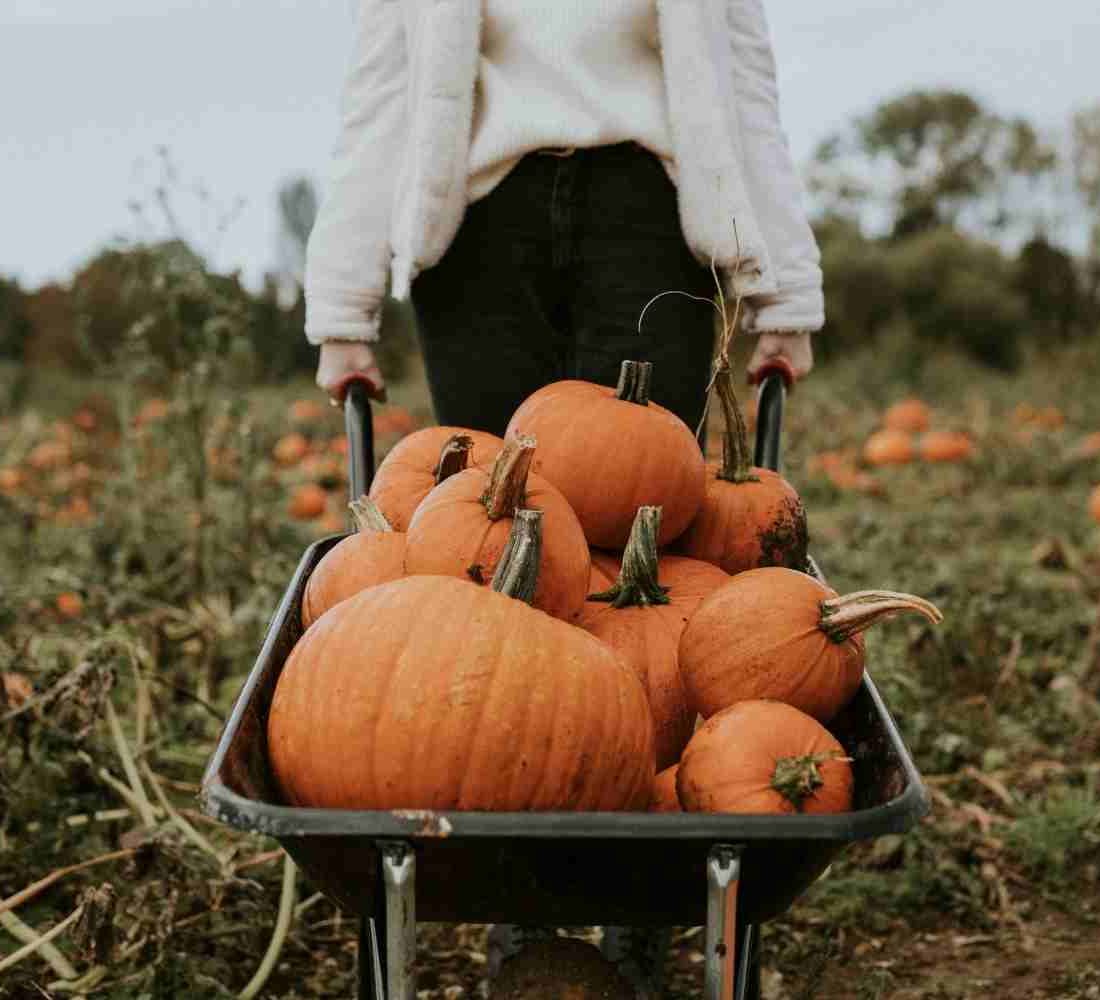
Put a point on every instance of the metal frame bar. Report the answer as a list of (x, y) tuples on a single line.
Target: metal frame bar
[(723, 876)]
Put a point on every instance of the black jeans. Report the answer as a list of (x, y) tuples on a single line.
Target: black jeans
[(546, 279)]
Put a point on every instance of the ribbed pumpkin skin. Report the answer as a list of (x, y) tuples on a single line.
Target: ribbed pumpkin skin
[(605, 570), (729, 764), (407, 473), (451, 534), (430, 693), (742, 526), (758, 636), (665, 799), (648, 638), (609, 457), (362, 560)]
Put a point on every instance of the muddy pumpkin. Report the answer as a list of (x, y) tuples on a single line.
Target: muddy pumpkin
[(750, 516)]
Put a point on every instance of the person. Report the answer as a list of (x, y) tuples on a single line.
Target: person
[(532, 175)]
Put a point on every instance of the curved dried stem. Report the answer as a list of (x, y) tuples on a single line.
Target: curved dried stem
[(454, 458), (637, 585), (507, 490), (843, 617), (634, 382), (517, 573), (367, 515)]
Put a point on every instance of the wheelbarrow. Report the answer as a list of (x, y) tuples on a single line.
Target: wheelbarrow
[(729, 873)]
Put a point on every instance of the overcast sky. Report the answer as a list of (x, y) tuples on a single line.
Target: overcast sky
[(244, 93)]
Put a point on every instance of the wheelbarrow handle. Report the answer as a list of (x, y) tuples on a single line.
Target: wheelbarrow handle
[(773, 382), (360, 431)]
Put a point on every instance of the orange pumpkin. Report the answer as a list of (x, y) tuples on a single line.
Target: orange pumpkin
[(749, 516), (946, 446), (611, 451), (1094, 504), (911, 415), (69, 604), (889, 447), (374, 554), (764, 757), (308, 502), (604, 572), (641, 617), (86, 419), (291, 449), (419, 462), (49, 455), (780, 634), (1087, 447), (306, 411), (151, 410), (429, 693), (461, 529), (12, 480), (665, 799)]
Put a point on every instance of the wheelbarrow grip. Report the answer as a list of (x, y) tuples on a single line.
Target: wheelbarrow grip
[(771, 396), (360, 431)]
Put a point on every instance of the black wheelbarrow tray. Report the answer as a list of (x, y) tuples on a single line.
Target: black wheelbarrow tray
[(727, 872)]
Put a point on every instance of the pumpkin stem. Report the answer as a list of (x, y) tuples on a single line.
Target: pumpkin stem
[(637, 585), (843, 617), (367, 515), (736, 460), (634, 381), (517, 573), (797, 778), (507, 490), (454, 457)]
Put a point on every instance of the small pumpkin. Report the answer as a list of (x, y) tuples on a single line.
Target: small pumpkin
[(911, 415), (1094, 504), (889, 447), (374, 554), (306, 411), (69, 604), (613, 450), (419, 462), (429, 693), (290, 449), (749, 516), (151, 411), (779, 634), (12, 480), (665, 799), (462, 526), (17, 689), (764, 757), (307, 502), (641, 617), (946, 446)]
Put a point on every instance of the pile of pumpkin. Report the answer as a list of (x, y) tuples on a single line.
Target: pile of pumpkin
[(538, 622)]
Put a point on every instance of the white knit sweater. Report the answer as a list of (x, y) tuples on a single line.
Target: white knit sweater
[(572, 73), (399, 183)]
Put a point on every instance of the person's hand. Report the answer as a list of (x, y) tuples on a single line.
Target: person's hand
[(342, 360), (794, 348)]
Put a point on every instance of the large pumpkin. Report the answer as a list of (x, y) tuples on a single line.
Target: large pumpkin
[(642, 616), (431, 693), (374, 554), (462, 526), (611, 451), (779, 634), (750, 516), (764, 757), (419, 462), (665, 799)]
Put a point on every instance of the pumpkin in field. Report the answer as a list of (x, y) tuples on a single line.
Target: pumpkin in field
[(49, 455), (290, 449), (86, 419), (910, 415), (17, 689), (1087, 447), (1094, 504), (641, 617), (889, 447), (431, 693), (611, 451), (69, 604), (764, 757), (306, 411), (308, 502), (461, 529), (374, 554), (749, 516), (779, 634), (151, 411), (12, 480), (946, 446), (665, 799), (419, 462)]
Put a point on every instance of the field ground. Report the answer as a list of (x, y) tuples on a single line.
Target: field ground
[(172, 542)]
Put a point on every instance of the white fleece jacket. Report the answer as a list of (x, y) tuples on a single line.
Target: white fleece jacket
[(398, 189)]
